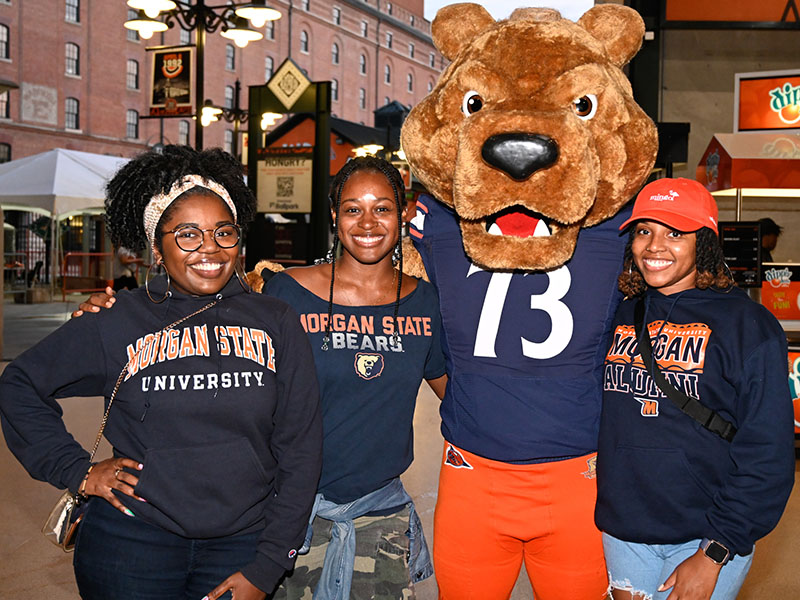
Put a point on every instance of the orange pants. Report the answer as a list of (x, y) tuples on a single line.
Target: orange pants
[(491, 515)]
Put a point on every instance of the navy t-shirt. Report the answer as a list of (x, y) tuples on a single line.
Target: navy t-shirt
[(368, 387)]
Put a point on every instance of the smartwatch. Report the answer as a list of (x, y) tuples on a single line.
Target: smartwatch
[(715, 551)]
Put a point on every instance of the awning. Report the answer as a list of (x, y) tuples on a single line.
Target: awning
[(758, 164)]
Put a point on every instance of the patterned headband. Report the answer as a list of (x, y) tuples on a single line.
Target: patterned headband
[(159, 203)]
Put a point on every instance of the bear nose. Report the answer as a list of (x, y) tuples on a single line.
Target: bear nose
[(520, 155)]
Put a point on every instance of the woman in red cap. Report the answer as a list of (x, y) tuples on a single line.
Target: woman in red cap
[(695, 459)]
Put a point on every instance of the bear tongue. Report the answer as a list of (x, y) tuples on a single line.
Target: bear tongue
[(518, 224)]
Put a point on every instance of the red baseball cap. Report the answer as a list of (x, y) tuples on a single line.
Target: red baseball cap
[(683, 204)]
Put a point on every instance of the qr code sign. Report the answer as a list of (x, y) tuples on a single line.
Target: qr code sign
[(285, 187)]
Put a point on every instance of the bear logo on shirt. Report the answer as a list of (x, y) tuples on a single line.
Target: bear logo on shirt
[(369, 366)]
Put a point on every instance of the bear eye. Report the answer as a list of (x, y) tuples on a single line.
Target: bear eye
[(585, 106), (472, 103)]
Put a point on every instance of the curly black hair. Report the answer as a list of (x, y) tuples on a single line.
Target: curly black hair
[(709, 261), (366, 164), (153, 173)]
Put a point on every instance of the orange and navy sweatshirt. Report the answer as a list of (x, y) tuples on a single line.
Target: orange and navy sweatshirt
[(222, 411), (662, 477)]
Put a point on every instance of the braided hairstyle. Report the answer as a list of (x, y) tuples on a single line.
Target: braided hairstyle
[(709, 262), (153, 173), (366, 164)]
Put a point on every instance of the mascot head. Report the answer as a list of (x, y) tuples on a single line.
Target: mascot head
[(532, 132)]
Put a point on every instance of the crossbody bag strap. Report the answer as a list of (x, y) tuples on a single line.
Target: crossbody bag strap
[(708, 418), (125, 368)]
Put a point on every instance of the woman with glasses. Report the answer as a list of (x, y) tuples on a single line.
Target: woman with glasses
[(215, 426)]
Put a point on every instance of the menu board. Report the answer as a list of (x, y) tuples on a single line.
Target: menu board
[(741, 245)]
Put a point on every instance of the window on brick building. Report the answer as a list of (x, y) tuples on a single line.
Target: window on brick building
[(269, 68), (183, 133), (432, 60), (389, 39), (228, 96), (386, 100), (411, 50), (270, 30), (304, 41), (362, 64), (306, 5), (364, 29), (228, 143), (5, 153), (185, 37), (72, 55), (132, 125), (133, 74), (4, 41), (411, 20), (337, 15), (362, 98), (387, 74), (410, 82), (133, 36), (430, 86), (73, 11), (230, 57), (72, 113), (335, 90), (388, 8), (335, 54), (4, 109)]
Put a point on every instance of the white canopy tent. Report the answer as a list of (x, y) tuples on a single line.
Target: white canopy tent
[(58, 183)]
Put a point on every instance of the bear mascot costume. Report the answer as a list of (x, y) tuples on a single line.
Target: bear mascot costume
[(531, 143)]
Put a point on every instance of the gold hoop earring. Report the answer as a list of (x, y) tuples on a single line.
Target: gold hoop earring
[(167, 294), (241, 277)]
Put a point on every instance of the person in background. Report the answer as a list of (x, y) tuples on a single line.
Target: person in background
[(124, 261), (681, 504), (770, 232), (375, 337), (215, 427)]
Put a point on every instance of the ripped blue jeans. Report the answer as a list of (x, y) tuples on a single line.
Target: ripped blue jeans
[(642, 568)]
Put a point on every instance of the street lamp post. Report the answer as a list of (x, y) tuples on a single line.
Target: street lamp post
[(232, 19)]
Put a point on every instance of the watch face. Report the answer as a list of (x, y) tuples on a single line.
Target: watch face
[(716, 552)]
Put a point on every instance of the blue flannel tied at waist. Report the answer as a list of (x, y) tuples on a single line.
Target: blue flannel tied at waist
[(340, 557)]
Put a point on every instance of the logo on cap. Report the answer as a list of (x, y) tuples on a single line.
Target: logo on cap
[(670, 196)]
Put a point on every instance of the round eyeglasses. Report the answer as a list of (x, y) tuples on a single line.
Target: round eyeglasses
[(190, 238)]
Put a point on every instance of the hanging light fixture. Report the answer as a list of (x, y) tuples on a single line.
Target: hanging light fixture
[(367, 150), (152, 7), (258, 13), (209, 113), (268, 119), (238, 30), (145, 26)]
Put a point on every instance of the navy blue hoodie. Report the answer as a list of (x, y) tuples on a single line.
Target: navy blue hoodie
[(223, 412), (664, 479)]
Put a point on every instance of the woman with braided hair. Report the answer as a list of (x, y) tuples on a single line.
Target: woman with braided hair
[(213, 406), (695, 460), (375, 336)]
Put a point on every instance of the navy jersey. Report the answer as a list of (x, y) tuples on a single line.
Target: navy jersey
[(524, 350)]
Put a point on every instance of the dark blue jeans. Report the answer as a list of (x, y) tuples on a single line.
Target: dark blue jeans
[(123, 558)]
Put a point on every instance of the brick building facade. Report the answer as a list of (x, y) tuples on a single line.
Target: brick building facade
[(83, 79)]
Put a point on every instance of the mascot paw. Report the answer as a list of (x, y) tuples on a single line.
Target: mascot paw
[(254, 278)]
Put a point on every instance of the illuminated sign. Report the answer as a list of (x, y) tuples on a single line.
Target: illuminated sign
[(767, 101), (762, 13)]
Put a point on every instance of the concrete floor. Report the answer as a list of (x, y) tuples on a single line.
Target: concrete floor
[(32, 569)]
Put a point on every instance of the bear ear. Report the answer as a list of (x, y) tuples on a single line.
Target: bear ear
[(619, 28), (456, 25)]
